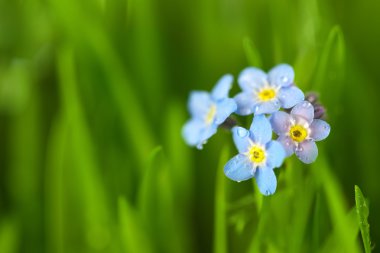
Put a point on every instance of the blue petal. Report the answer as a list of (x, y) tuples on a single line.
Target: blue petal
[(307, 151), (209, 131), (266, 180), (241, 139), (245, 102), (224, 109), (192, 131), (252, 78), (280, 122), (267, 107), (282, 75), (239, 168), (290, 96), (261, 129), (319, 130), (199, 104), (287, 144), (222, 87), (275, 154), (304, 110)]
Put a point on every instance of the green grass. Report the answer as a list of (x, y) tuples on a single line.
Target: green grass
[(93, 96)]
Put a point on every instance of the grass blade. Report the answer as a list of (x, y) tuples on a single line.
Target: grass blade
[(252, 54), (362, 212), (220, 226), (132, 233)]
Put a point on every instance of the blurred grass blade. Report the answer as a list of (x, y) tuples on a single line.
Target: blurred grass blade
[(90, 192), (155, 202), (54, 187), (220, 206), (336, 203), (132, 233), (9, 236), (362, 214), (330, 71), (352, 228), (252, 54)]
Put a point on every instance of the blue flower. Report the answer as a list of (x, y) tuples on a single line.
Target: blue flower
[(258, 155), (299, 130), (208, 111), (264, 93)]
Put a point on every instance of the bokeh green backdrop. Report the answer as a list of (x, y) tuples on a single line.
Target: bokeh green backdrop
[(93, 97)]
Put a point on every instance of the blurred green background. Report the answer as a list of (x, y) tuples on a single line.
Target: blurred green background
[(93, 97)]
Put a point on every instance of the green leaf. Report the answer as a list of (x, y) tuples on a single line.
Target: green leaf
[(362, 212)]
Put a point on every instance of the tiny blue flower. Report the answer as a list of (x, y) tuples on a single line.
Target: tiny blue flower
[(258, 155), (299, 130), (208, 111), (262, 93)]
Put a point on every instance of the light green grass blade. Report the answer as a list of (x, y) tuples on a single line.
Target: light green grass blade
[(220, 206), (9, 236), (90, 192), (82, 29), (252, 54), (156, 204), (132, 231), (362, 212), (336, 203), (352, 228)]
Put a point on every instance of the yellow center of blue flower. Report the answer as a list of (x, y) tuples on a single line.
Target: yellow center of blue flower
[(298, 133), (211, 114), (256, 154), (267, 94)]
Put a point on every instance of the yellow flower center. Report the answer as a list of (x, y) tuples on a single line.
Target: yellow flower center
[(298, 133), (267, 94), (211, 114), (256, 154)]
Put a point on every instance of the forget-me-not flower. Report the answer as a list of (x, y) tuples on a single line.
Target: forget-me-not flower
[(258, 155), (267, 93), (208, 111), (298, 131)]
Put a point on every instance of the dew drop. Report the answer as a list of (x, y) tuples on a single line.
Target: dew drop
[(242, 132), (284, 79), (256, 109)]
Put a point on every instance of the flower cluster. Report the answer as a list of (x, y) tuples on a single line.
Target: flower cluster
[(278, 106)]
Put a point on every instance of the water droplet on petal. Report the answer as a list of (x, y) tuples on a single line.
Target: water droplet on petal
[(242, 132), (284, 79), (256, 109)]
